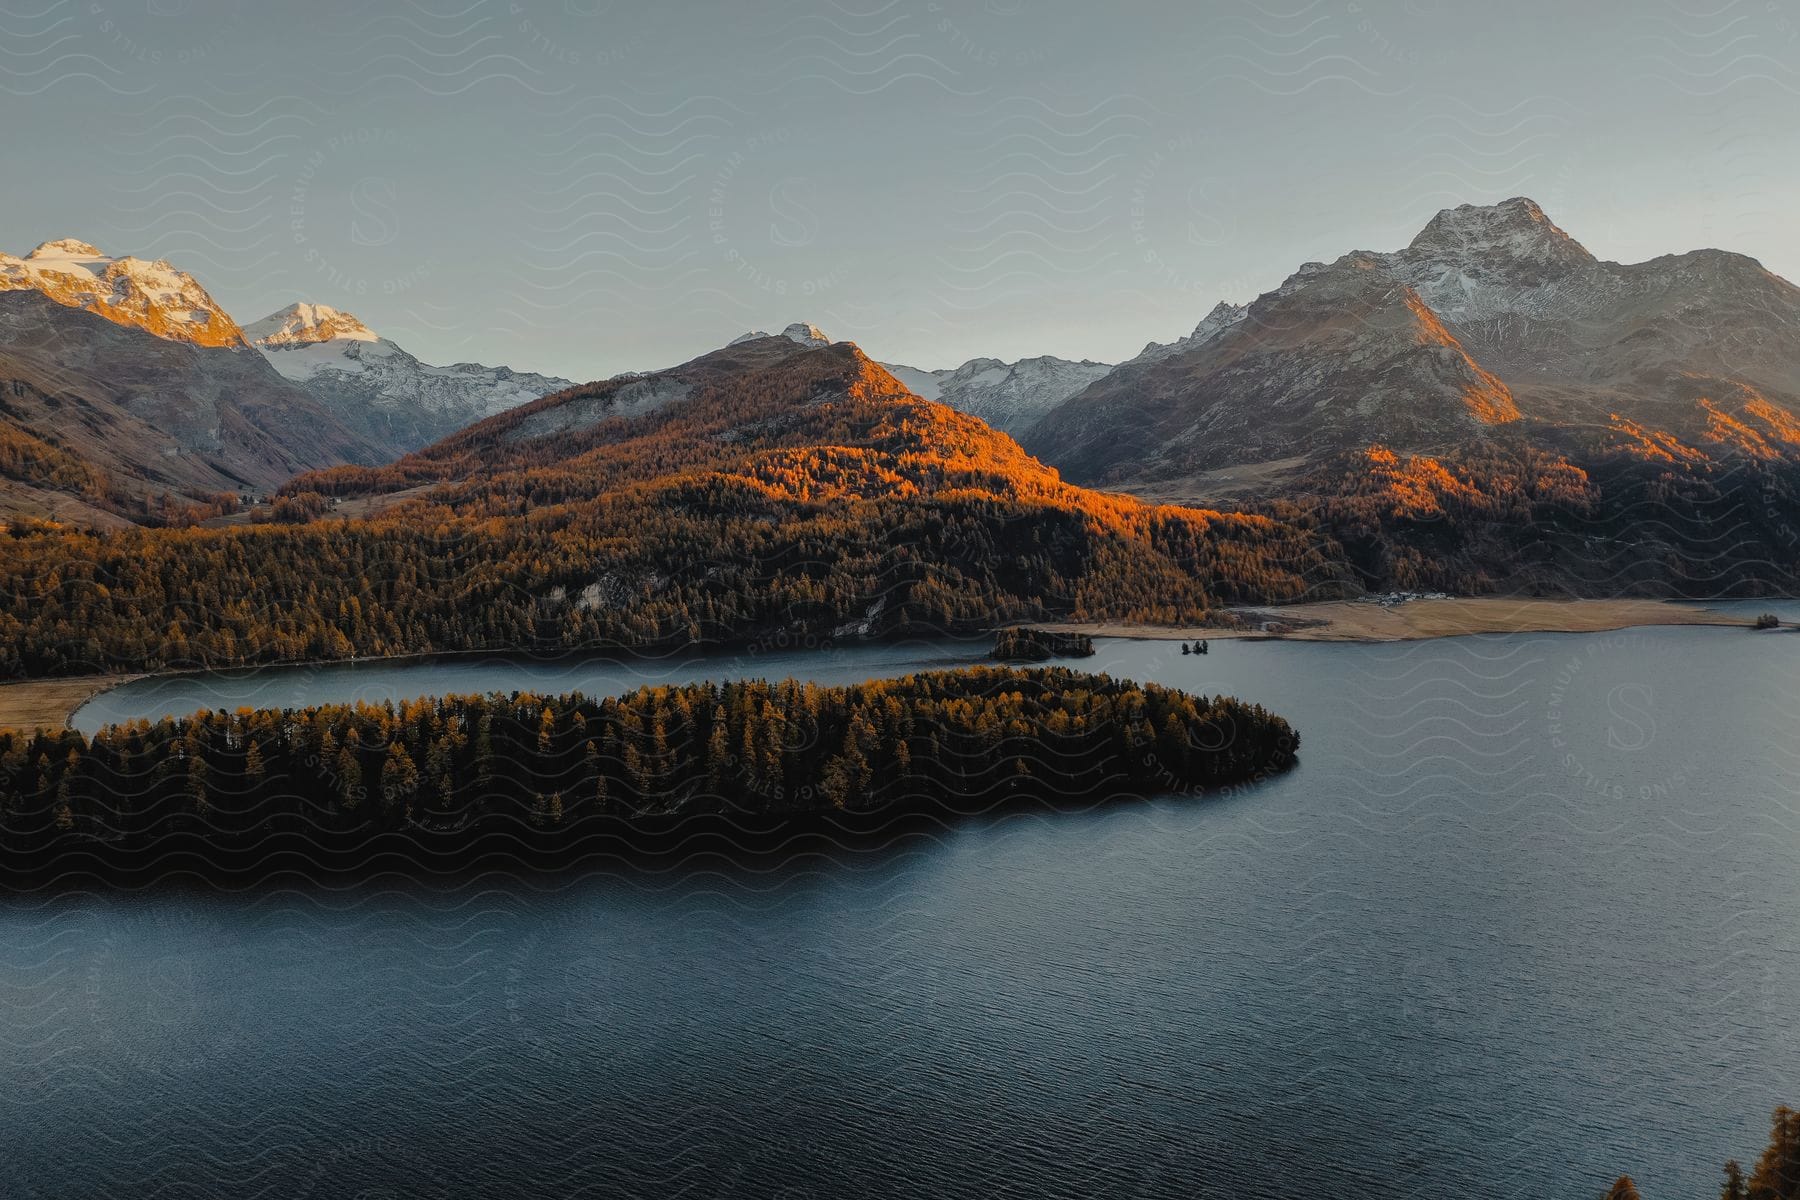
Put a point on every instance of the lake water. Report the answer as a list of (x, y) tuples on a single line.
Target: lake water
[(1526, 917)]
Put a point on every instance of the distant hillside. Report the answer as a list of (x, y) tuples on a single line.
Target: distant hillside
[(391, 399), (127, 394), (103, 423), (1012, 397), (1491, 315), (774, 488), (752, 408)]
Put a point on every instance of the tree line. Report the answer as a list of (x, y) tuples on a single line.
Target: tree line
[(691, 563), (434, 777), (1020, 644), (813, 541), (1776, 1175), (1552, 509)]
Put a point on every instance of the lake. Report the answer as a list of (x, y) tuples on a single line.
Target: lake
[(1524, 918)]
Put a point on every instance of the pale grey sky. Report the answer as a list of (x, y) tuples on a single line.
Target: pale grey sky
[(589, 186)]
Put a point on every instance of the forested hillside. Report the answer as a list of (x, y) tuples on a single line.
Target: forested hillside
[(765, 487), (1562, 512)]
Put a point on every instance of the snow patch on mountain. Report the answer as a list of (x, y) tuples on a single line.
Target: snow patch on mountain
[(306, 324), (377, 386), (144, 294), (800, 332), (1009, 396), (926, 384)]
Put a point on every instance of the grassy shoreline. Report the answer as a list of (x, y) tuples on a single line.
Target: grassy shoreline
[(51, 703), (1413, 620)]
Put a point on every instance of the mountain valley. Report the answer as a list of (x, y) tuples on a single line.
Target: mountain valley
[(1490, 410)]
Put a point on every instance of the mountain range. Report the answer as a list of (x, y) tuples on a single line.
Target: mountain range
[(1492, 321), (1012, 397), (1491, 406), (128, 394), (1489, 409)]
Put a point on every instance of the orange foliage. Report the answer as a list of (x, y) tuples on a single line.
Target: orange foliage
[(1651, 445), (778, 491), (1417, 488), (1488, 400), (1724, 428)]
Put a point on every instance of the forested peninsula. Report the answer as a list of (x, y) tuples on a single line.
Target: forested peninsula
[(528, 775)]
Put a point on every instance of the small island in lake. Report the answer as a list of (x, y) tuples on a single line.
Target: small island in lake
[(1039, 645), (523, 774)]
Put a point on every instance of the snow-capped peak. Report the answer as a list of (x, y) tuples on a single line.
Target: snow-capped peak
[(806, 335), (1470, 263), (306, 325), (799, 331), (379, 388), (1012, 396), (1514, 229), (68, 249), (145, 294), (303, 340)]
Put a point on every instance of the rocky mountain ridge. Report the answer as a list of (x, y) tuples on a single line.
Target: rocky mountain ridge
[(1491, 314), (1012, 397)]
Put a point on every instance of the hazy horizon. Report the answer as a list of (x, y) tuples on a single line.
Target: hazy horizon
[(581, 187)]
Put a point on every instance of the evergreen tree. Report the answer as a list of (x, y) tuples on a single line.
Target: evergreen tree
[(399, 775), (1777, 1173), (925, 739), (196, 782), (1623, 1189), (718, 754), (349, 778)]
